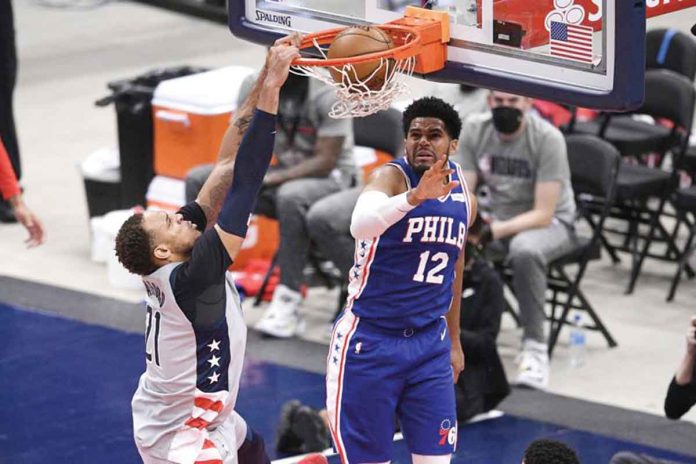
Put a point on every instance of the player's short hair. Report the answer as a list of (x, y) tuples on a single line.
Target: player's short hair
[(134, 247), (546, 451), (433, 107)]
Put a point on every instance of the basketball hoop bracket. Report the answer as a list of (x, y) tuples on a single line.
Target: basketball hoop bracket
[(433, 26)]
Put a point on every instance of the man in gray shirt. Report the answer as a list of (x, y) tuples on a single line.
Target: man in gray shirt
[(521, 162), (315, 159)]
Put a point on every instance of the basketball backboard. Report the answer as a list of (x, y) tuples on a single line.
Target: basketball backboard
[(579, 52)]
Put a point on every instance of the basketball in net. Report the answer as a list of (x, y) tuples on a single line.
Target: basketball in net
[(362, 40), (368, 65)]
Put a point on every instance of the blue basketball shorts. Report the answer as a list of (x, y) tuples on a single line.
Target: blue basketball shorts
[(375, 375)]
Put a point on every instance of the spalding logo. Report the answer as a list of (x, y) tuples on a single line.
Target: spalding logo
[(283, 20)]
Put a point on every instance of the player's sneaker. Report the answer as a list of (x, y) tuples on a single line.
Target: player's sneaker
[(282, 318), (533, 365)]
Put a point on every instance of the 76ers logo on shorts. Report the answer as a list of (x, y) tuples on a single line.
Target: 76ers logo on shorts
[(448, 433)]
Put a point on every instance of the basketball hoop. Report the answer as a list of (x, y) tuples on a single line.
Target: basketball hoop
[(419, 38)]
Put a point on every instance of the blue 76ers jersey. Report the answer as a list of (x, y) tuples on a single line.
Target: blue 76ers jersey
[(403, 278)]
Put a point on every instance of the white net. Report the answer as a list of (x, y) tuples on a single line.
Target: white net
[(362, 96)]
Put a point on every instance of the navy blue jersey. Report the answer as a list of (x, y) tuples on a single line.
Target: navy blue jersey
[(403, 278)]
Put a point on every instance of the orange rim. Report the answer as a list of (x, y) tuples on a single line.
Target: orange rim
[(407, 49)]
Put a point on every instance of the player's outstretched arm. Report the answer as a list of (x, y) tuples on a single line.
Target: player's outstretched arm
[(255, 152), (386, 199), (218, 183)]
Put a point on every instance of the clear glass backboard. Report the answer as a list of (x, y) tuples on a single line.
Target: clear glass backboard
[(580, 52)]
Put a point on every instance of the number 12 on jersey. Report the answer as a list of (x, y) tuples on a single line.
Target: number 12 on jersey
[(434, 276), (152, 344)]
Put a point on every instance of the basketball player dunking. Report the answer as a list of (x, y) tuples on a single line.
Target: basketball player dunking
[(183, 409), (395, 351)]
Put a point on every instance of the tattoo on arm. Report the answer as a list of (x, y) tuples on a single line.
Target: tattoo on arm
[(242, 123), (212, 201)]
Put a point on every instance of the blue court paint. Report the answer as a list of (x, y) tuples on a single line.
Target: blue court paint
[(65, 391)]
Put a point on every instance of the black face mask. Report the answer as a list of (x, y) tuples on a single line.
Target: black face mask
[(506, 119)]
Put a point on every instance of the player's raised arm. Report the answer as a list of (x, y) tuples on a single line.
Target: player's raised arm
[(218, 183), (255, 152), (386, 199)]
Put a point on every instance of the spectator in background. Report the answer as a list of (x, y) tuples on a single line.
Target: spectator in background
[(483, 384), (8, 78), (302, 429), (328, 224), (12, 194), (681, 397), (521, 159), (315, 159), (544, 451)]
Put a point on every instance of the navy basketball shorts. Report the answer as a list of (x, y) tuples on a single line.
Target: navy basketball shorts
[(375, 375)]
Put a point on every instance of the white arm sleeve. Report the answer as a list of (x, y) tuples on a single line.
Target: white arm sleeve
[(375, 212)]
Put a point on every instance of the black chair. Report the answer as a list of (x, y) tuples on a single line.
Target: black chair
[(671, 49), (685, 205), (668, 96), (594, 166)]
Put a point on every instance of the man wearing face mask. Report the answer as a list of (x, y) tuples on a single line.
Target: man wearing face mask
[(521, 159)]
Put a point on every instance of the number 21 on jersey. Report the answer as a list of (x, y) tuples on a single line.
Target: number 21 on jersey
[(152, 336)]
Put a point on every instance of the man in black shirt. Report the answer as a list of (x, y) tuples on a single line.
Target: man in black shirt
[(483, 384)]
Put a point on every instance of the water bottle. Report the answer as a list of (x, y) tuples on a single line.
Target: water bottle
[(577, 342)]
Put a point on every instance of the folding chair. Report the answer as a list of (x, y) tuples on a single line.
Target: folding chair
[(685, 206), (669, 97), (671, 49), (594, 166)]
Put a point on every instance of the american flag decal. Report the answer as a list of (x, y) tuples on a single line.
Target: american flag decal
[(571, 42)]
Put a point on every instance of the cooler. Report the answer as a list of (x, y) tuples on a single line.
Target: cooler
[(166, 193), (191, 115)]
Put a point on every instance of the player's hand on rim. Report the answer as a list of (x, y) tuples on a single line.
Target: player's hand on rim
[(280, 57), (294, 39), (433, 183)]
